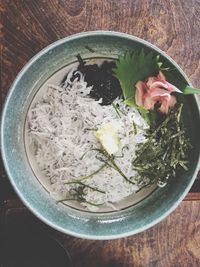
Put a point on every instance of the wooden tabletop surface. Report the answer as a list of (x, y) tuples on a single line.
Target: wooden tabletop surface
[(174, 26)]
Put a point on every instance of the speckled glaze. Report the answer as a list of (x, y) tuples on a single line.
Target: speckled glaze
[(65, 219)]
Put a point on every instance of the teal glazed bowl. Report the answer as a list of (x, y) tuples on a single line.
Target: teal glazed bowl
[(134, 219)]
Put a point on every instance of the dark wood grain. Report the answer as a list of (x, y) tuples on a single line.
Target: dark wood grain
[(173, 25), (162, 246), (172, 243), (28, 26)]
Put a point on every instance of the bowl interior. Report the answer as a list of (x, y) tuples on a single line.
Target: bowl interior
[(66, 219)]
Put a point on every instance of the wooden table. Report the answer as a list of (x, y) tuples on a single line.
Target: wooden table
[(28, 26)]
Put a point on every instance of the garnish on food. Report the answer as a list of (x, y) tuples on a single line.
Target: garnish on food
[(168, 146), (156, 93), (132, 67), (144, 85)]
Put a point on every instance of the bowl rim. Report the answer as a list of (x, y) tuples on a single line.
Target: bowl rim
[(6, 106)]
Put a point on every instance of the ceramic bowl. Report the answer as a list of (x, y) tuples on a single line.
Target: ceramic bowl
[(107, 225)]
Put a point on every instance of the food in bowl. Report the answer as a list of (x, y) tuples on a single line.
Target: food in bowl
[(143, 208), (92, 134)]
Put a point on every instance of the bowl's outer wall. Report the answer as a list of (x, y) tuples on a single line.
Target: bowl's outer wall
[(85, 224)]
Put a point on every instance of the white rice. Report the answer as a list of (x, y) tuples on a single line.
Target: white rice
[(58, 130)]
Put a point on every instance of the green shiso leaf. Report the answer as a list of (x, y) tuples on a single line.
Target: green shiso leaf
[(132, 67)]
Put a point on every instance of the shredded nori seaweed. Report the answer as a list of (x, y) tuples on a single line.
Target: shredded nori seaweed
[(165, 151)]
